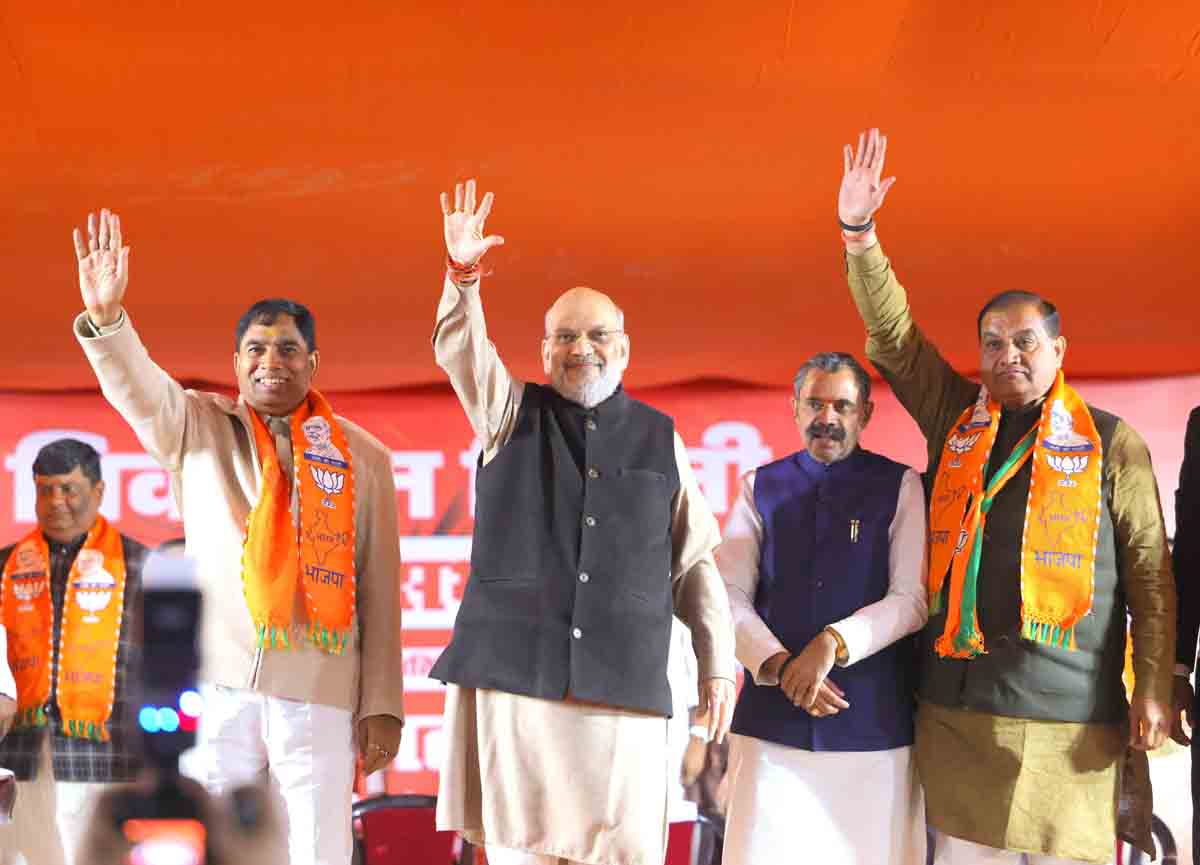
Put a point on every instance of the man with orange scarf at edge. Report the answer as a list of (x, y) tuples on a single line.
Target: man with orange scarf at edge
[(290, 516), (70, 607), (1045, 530)]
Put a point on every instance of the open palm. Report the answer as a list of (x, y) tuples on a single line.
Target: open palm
[(862, 192), (103, 267), (463, 226)]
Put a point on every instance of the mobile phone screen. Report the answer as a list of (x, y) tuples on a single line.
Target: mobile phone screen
[(165, 842)]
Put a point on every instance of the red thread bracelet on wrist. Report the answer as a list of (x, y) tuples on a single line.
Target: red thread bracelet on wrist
[(459, 267)]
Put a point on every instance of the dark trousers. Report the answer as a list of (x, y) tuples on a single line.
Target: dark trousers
[(1196, 785)]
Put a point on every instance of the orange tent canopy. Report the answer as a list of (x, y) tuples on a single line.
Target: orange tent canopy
[(685, 158)]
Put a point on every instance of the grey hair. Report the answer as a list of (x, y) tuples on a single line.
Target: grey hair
[(834, 361), (620, 319)]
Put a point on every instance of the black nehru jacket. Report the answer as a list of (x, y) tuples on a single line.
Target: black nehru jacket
[(570, 585)]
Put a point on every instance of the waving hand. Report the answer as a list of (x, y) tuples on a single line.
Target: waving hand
[(862, 191), (103, 267), (463, 225)]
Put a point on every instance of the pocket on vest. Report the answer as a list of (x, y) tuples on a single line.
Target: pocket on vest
[(506, 578), (643, 499)]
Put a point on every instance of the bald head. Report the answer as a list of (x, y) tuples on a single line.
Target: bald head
[(585, 350), (583, 301)]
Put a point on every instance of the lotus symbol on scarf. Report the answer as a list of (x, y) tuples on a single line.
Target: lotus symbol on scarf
[(330, 483), (959, 445), (1068, 464), (26, 591), (92, 594)]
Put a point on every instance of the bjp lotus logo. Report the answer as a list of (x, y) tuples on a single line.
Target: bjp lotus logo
[(329, 482), (94, 593), (94, 588), (27, 591), (959, 445), (1068, 464)]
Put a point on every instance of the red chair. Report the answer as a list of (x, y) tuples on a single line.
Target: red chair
[(401, 829), (691, 843)]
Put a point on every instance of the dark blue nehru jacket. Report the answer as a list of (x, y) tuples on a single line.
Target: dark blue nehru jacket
[(813, 571)]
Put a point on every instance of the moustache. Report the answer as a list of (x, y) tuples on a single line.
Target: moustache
[(831, 431)]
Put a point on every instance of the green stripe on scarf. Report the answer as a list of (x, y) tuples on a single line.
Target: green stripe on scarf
[(968, 636)]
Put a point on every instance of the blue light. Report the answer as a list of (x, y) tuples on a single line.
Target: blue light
[(168, 720), (148, 718)]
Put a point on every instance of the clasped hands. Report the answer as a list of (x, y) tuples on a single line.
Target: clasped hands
[(804, 678)]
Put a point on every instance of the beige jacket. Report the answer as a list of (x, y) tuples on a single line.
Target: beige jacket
[(205, 442)]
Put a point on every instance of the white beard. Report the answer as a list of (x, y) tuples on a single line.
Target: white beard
[(594, 392)]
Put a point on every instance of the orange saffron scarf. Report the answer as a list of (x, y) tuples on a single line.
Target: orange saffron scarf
[(1062, 520), (93, 609), (315, 553)]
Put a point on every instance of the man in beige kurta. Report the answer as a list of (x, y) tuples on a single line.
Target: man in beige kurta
[(544, 780), (300, 713), (1022, 750)]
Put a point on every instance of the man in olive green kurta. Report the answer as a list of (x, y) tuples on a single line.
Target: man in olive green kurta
[(1022, 749)]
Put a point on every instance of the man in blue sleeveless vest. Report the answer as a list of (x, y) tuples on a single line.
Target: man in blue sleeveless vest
[(824, 556), (590, 530)]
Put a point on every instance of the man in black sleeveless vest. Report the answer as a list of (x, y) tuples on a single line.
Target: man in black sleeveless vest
[(590, 531)]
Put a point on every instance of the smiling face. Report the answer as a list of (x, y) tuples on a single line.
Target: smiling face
[(1018, 358), (67, 504), (830, 414), (585, 350), (274, 367)]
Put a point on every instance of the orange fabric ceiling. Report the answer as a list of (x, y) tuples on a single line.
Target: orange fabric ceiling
[(683, 157)]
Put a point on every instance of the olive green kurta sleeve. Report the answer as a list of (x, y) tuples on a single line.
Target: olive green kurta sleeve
[(926, 385), (1143, 563)]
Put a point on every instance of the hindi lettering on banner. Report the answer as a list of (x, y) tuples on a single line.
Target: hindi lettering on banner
[(415, 473), (728, 432), (722, 445), (131, 477), (421, 744)]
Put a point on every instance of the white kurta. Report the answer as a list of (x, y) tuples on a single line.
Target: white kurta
[(844, 807), (838, 807)]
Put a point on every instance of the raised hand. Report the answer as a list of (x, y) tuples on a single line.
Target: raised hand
[(862, 192), (103, 267), (463, 225)]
